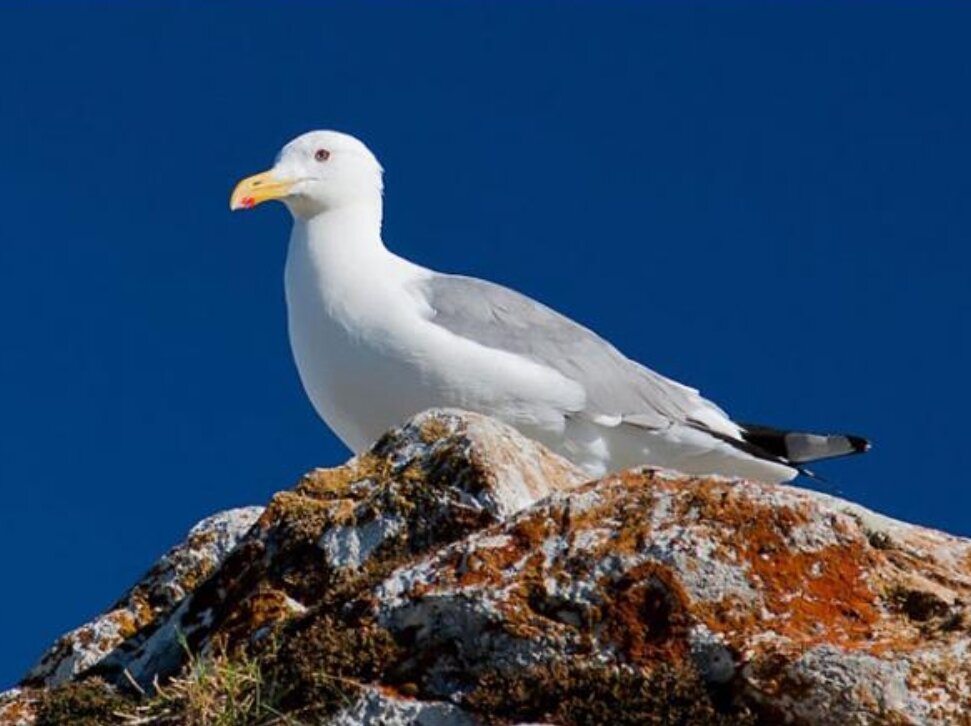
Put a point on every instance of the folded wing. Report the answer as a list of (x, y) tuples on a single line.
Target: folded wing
[(618, 389)]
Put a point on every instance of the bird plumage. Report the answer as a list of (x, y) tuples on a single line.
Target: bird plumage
[(377, 339)]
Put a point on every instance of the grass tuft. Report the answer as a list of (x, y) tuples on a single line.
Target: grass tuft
[(217, 689)]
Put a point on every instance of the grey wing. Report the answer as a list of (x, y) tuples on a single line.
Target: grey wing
[(618, 389)]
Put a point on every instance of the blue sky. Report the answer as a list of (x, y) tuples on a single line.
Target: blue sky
[(767, 201)]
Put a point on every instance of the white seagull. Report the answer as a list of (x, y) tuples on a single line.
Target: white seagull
[(378, 339)]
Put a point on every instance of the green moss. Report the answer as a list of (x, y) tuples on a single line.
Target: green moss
[(573, 693), (86, 703), (323, 663)]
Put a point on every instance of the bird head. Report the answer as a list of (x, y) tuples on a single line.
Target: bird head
[(315, 172)]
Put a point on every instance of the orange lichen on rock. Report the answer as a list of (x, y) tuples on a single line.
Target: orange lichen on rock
[(17, 708), (817, 597), (646, 616), (809, 594), (262, 610)]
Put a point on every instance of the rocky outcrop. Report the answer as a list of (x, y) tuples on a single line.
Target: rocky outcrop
[(149, 602), (458, 573)]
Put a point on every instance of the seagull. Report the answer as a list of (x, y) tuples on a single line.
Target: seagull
[(377, 339)]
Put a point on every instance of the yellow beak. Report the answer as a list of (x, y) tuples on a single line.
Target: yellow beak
[(257, 189)]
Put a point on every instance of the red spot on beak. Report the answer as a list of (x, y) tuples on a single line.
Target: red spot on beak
[(248, 202)]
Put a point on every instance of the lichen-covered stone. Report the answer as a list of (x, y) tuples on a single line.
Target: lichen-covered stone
[(159, 591), (459, 573), (770, 593), (374, 707), (17, 707), (434, 480)]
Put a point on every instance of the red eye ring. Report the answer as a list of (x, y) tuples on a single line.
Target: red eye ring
[(321, 155)]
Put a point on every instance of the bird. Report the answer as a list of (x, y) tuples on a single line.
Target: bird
[(378, 339)]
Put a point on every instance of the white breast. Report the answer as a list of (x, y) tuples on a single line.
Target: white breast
[(356, 383), (369, 357)]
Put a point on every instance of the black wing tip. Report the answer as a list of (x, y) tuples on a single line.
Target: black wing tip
[(860, 445), (779, 443)]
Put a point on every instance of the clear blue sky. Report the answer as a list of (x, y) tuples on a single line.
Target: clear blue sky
[(769, 202)]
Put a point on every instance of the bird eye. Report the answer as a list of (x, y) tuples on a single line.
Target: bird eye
[(322, 155)]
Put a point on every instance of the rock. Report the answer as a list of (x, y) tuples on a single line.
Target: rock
[(776, 593), (374, 707), (16, 708), (163, 587), (459, 573), (437, 478)]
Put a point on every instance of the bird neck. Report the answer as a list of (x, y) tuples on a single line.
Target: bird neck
[(341, 248), (350, 229)]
